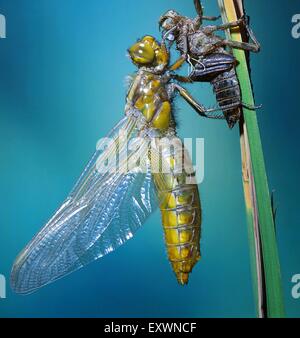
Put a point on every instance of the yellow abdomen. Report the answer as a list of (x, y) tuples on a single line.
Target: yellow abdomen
[(181, 217)]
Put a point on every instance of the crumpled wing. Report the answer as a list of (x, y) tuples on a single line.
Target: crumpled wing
[(103, 211)]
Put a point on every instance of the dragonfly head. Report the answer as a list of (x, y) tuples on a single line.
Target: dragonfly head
[(147, 52)]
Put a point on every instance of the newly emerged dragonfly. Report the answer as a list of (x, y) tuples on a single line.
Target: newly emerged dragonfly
[(106, 208)]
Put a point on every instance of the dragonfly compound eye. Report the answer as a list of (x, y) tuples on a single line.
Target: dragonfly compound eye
[(142, 53)]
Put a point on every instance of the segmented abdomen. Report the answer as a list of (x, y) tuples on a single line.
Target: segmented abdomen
[(181, 218), (228, 93), (181, 213)]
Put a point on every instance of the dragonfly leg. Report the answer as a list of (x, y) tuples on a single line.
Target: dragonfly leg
[(211, 18), (199, 108), (199, 8), (184, 79), (178, 63), (253, 46), (222, 27)]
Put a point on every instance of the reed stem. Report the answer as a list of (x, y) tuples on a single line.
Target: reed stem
[(262, 240)]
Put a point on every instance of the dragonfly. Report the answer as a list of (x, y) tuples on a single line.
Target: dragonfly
[(107, 207)]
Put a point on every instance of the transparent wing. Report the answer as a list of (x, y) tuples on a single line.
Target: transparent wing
[(103, 211)]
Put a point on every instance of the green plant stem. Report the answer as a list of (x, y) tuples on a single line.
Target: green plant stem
[(260, 201)]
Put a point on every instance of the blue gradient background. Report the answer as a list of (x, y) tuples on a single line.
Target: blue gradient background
[(62, 70)]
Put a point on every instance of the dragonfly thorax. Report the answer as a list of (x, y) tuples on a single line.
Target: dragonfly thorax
[(148, 94)]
